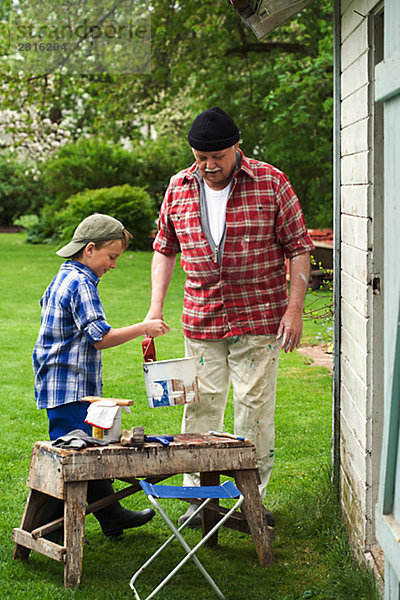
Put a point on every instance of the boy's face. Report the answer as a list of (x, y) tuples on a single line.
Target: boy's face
[(104, 259), (217, 167)]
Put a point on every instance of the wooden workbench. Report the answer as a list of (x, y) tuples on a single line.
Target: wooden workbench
[(64, 474)]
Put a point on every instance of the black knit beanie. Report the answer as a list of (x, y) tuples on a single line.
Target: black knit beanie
[(213, 130)]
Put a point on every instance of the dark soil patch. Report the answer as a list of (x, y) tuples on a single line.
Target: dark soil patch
[(11, 228)]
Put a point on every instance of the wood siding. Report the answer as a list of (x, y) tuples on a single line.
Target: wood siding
[(358, 423)]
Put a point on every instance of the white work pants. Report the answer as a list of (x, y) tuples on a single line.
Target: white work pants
[(250, 363)]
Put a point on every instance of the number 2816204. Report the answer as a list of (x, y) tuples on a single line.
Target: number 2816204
[(41, 47)]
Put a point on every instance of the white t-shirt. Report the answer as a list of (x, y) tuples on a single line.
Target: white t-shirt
[(216, 201)]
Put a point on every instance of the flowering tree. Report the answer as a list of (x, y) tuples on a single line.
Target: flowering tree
[(278, 89)]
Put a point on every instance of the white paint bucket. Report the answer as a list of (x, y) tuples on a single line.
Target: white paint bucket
[(171, 382)]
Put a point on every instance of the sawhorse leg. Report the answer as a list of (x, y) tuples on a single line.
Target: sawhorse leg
[(209, 517), (246, 481), (74, 530), (30, 519)]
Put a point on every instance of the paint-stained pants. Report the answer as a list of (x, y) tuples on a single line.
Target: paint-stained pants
[(250, 363)]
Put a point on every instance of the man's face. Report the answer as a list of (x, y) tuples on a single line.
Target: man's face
[(217, 167)]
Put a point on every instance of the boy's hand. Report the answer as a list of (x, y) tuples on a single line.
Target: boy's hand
[(156, 327)]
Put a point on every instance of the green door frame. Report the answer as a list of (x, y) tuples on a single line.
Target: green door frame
[(387, 90)]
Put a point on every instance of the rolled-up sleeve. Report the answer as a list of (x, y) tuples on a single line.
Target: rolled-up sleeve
[(166, 240), (88, 313), (291, 228)]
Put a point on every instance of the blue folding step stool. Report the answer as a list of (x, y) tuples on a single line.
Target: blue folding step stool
[(225, 490)]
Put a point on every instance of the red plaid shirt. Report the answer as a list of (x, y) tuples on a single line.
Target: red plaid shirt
[(247, 291)]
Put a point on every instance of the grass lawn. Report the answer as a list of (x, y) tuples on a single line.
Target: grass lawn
[(312, 556)]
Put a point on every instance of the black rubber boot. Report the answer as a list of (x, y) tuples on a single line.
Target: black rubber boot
[(269, 517), (115, 518)]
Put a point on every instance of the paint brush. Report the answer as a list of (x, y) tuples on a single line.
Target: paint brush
[(226, 435)]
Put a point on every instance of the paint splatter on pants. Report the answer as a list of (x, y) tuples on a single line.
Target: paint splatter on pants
[(250, 363)]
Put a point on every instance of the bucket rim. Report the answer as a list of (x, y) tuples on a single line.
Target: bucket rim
[(169, 360)]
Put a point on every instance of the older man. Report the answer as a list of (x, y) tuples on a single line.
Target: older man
[(234, 220)]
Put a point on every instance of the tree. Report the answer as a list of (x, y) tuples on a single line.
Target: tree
[(20, 192), (278, 89)]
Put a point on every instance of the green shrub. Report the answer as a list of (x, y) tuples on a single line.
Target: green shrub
[(131, 205), (44, 230), (19, 192), (158, 160), (87, 164), (91, 164)]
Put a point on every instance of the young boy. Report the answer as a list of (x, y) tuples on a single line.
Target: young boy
[(67, 353)]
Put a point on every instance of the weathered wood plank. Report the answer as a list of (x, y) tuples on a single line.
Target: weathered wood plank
[(355, 200), (247, 483), (351, 20), (355, 138), (74, 529), (355, 76), (106, 462), (30, 519), (48, 528), (356, 421), (356, 388), (353, 456), (355, 324), (209, 518), (354, 354), (352, 511), (356, 232), (98, 505), (355, 262), (24, 539), (355, 169), (356, 293), (43, 463), (355, 107), (355, 44)]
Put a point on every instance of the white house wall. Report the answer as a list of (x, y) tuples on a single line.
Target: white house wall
[(358, 485)]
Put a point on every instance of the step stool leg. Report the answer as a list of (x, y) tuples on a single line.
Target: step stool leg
[(190, 555), (74, 530), (30, 519)]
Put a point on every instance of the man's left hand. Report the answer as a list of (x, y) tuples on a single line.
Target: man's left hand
[(291, 329)]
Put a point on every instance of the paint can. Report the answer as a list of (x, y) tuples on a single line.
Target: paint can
[(113, 434), (171, 382), (105, 418)]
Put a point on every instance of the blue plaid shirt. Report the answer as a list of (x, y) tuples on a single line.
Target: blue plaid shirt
[(66, 364)]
